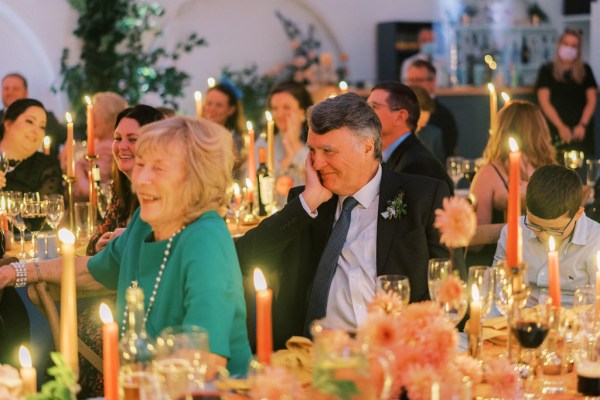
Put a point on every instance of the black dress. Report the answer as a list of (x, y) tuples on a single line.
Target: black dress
[(38, 173), (569, 99)]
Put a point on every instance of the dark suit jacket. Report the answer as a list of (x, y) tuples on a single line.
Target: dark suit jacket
[(289, 244), (412, 157), (442, 117)]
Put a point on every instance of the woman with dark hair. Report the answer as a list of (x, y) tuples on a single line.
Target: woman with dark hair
[(223, 106), (566, 92), (22, 135), (123, 202)]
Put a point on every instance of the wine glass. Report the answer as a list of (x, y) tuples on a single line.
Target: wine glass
[(55, 209), (592, 174), (3, 162), (34, 216), (469, 168), (183, 354), (447, 289), (530, 326), (15, 206), (398, 284), (437, 269), (104, 198), (237, 205), (482, 277), (454, 167), (573, 159)]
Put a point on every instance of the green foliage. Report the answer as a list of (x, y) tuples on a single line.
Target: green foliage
[(255, 88), (114, 57), (343, 389), (63, 386)]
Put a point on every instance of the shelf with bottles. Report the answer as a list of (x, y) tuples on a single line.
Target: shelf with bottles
[(518, 52)]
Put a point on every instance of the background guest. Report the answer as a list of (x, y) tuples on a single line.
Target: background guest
[(430, 135), (423, 73), (398, 110), (566, 91), (525, 122), (14, 87), (426, 42)]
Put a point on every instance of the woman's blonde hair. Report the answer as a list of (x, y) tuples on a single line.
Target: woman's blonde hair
[(208, 159), (525, 122), (577, 67)]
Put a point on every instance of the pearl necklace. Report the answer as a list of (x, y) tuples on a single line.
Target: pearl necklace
[(134, 283)]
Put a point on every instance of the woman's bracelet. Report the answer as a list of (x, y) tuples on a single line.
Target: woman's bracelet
[(38, 272), (21, 272)]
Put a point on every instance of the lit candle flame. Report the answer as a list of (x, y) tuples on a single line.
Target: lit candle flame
[(343, 85), (259, 280), (551, 244), (512, 143), (491, 87), (88, 100), (249, 184), (475, 293), (268, 116), (68, 118), (66, 236), (24, 357), (236, 189), (47, 141), (249, 126), (505, 97), (105, 314), (332, 95), (211, 82), (198, 95)]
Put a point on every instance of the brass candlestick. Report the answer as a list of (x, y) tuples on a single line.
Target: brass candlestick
[(70, 180), (518, 292), (93, 177)]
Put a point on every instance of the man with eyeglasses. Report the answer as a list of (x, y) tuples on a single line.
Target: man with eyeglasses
[(423, 73), (397, 107), (554, 199)]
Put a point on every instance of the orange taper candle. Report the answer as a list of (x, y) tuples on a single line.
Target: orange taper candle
[(553, 274), (110, 353), (264, 330), (91, 150), (513, 253)]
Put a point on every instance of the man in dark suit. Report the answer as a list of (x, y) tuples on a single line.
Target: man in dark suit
[(294, 246), (397, 107), (423, 73)]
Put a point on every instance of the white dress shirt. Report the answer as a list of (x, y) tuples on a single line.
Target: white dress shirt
[(354, 282), (576, 256)]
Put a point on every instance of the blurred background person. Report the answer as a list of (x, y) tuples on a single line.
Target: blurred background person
[(426, 41), (525, 122), (429, 134), (566, 92)]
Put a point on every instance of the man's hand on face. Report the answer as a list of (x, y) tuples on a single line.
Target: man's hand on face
[(314, 193)]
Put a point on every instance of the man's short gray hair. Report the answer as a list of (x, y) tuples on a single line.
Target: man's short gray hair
[(349, 111)]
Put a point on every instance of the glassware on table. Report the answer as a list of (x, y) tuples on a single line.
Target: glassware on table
[(454, 167), (84, 222), (3, 162), (447, 289), (397, 284), (437, 269), (592, 174), (182, 361), (469, 169), (482, 277), (587, 356), (573, 159), (237, 205), (14, 206), (104, 198), (34, 217), (271, 382), (55, 210), (530, 326)]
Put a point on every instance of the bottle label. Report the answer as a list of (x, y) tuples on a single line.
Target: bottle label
[(267, 186)]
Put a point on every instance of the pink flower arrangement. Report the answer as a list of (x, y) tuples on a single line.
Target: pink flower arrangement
[(456, 222), (501, 375), (275, 383), (386, 303)]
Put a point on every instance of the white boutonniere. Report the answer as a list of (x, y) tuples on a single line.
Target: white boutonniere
[(396, 207)]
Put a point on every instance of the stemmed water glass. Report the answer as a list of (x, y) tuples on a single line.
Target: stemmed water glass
[(237, 205), (55, 209), (15, 208), (454, 167), (3, 162), (592, 174), (397, 284), (104, 198), (469, 169), (447, 289), (573, 159), (34, 216), (183, 360), (482, 278)]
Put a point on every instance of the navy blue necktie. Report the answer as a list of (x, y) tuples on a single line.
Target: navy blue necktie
[(317, 303)]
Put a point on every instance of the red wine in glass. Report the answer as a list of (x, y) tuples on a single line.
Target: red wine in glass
[(530, 334), (204, 395), (34, 222)]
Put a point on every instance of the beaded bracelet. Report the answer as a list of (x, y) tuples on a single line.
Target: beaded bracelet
[(38, 272), (21, 272)]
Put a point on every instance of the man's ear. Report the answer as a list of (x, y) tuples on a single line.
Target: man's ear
[(401, 117), (578, 214)]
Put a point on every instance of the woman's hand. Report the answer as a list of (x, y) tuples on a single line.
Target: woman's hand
[(8, 276), (565, 133), (578, 133), (107, 237), (2, 179)]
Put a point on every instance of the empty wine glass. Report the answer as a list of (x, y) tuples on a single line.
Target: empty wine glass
[(454, 167), (592, 174), (469, 169), (183, 360), (55, 209), (3, 162), (398, 284), (447, 289), (14, 206), (437, 269), (573, 159), (104, 198), (237, 205)]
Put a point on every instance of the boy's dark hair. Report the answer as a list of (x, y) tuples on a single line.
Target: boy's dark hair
[(554, 190)]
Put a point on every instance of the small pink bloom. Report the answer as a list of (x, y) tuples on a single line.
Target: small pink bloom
[(386, 302), (450, 290), (275, 383), (503, 378), (456, 222), (469, 367), (380, 330)]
